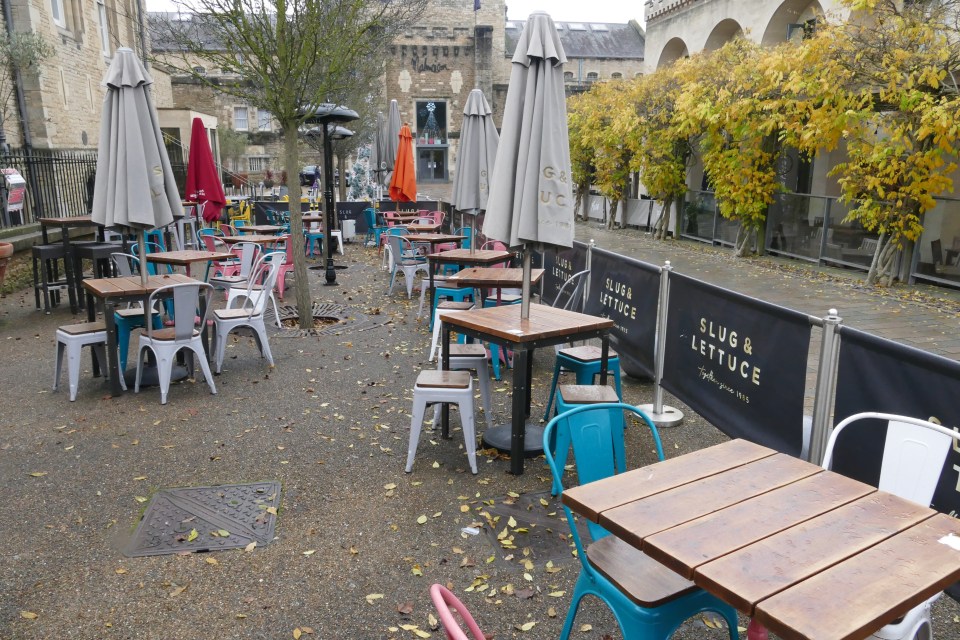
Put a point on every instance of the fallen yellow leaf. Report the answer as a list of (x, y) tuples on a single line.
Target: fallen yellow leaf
[(28, 615)]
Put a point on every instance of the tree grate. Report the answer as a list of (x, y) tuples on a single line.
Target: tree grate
[(344, 319), (223, 517)]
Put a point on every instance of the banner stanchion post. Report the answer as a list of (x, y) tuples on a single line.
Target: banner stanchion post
[(586, 285), (825, 389), (660, 414)]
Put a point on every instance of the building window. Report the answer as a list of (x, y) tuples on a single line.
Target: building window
[(240, 119), (616, 76), (263, 120), (568, 76), (258, 164), (59, 17), (592, 76), (104, 28), (432, 121)]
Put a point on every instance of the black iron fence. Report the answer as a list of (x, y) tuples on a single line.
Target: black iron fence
[(59, 182)]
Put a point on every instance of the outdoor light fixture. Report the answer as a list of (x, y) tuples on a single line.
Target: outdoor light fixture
[(329, 116)]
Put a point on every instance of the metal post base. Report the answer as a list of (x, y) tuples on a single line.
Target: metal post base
[(668, 417), (500, 436), (150, 376)]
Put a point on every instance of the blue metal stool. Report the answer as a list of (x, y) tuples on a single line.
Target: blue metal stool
[(585, 363)]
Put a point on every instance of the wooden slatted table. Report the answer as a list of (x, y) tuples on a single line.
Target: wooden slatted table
[(422, 228), (545, 327), (809, 553), (259, 239), (187, 257), (262, 229), (433, 239), (484, 278), (114, 291)]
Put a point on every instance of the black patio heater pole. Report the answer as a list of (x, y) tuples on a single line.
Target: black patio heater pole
[(331, 274), (330, 115)]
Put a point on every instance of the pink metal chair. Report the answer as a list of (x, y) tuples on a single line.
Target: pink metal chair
[(443, 600), (286, 267)]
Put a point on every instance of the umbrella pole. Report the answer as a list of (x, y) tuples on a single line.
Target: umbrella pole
[(525, 290), (142, 249), (473, 233)]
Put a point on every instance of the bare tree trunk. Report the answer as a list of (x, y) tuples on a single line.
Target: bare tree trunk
[(301, 282), (881, 268), (660, 227), (612, 218), (742, 244)]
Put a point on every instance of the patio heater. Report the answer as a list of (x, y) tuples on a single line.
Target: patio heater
[(328, 116)]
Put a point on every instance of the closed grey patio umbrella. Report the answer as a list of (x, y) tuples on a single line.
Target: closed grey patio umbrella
[(531, 198), (135, 186), (475, 159), (377, 151), (392, 137)]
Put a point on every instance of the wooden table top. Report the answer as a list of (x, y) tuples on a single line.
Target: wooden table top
[(259, 228), (434, 238), (183, 258), (493, 278), (422, 228), (132, 285), (313, 217), (75, 221), (479, 256), (544, 322), (252, 238), (809, 553)]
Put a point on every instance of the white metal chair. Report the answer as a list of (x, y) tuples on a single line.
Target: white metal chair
[(253, 304), (249, 252), (447, 387), (254, 292), (184, 334), (913, 455), (407, 261)]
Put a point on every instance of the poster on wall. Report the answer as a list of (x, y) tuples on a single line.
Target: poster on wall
[(627, 291), (558, 266), (739, 362)]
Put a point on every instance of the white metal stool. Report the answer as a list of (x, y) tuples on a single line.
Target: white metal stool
[(446, 305), (448, 387), (471, 357), (72, 338)]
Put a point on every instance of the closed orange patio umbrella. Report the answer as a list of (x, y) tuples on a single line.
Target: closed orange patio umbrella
[(403, 185)]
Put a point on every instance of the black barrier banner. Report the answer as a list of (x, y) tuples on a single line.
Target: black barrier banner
[(353, 211), (876, 374), (558, 266), (627, 291), (739, 362)]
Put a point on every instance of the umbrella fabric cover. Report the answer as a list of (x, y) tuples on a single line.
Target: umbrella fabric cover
[(531, 196), (377, 149), (403, 185), (478, 151), (134, 186), (392, 140), (203, 183)]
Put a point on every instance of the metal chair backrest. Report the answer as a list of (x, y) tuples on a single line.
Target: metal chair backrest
[(263, 277), (228, 230), (914, 452), (249, 251), (595, 431), (186, 301), (125, 264), (570, 295), (444, 600), (209, 231), (464, 231), (401, 248), (370, 217)]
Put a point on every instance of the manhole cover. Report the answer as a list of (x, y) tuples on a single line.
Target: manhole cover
[(224, 517), (540, 528), (336, 319)]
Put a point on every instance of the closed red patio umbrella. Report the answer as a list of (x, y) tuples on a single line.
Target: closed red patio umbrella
[(403, 185), (203, 182)]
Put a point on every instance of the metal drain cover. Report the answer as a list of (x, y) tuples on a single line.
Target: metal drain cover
[(224, 517), (547, 536)]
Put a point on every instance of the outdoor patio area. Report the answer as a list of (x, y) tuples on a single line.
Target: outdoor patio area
[(358, 542)]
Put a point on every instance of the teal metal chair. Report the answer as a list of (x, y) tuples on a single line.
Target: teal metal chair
[(132, 317), (373, 229), (648, 600)]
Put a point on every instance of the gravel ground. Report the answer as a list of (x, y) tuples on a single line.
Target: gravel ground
[(330, 422)]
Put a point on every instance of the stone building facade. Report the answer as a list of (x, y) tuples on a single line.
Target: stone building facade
[(63, 96)]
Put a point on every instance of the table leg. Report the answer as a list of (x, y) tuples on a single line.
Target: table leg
[(529, 375), (445, 361), (604, 355), (518, 425), (72, 280), (113, 362)]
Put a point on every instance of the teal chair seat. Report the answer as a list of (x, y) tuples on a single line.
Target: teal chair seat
[(585, 363), (648, 600)]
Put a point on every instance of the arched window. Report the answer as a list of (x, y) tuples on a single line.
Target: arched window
[(616, 76), (568, 76), (592, 76)]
